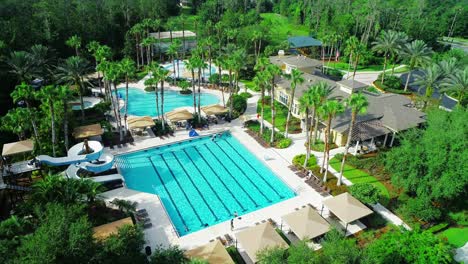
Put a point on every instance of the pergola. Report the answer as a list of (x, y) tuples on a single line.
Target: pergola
[(307, 223), (259, 237), (17, 147), (104, 231), (87, 131), (347, 208), (213, 252)]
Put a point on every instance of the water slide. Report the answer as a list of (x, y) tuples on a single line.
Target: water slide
[(75, 155)]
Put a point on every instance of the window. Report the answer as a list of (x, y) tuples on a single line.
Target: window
[(283, 98)]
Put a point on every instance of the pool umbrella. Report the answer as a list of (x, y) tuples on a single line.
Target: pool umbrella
[(87, 131), (17, 147), (259, 237), (179, 115), (307, 223), (213, 252), (215, 109), (139, 122)]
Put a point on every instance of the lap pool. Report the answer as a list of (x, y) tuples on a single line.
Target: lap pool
[(141, 103), (202, 182)]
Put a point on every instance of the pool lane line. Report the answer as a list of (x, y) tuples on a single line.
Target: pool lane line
[(183, 192), (232, 176), (198, 190), (168, 193), (250, 165), (209, 184), (219, 178), (245, 174)]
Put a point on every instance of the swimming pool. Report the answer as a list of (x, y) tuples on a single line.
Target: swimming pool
[(184, 73), (141, 103), (202, 182)]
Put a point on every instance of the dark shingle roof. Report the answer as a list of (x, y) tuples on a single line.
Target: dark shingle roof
[(303, 41)]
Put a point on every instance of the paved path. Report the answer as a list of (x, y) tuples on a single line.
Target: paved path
[(461, 254)]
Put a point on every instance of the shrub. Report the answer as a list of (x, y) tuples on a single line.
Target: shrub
[(298, 161), (102, 107), (375, 220), (283, 143), (246, 95), (149, 89), (331, 184), (421, 208), (438, 227), (239, 104), (391, 82), (365, 192)]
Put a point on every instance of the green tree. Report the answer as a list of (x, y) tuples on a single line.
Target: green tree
[(173, 51), (127, 67), (151, 84), (48, 95), (75, 43), (260, 80), (417, 53), (64, 94), (430, 80), (320, 93), (301, 253), (306, 104), (387, 44), (272, 71), (137, 31), (296, 78), (24, 92), (457, 82), (18, 121), (272, 255), (21, 66), (191, 65), (365, 192), (358, 104), (124, 247), (337, 249), (161, 75), (329, 110), (172, 254)]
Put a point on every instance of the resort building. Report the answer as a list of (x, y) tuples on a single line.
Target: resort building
[(387, 114)]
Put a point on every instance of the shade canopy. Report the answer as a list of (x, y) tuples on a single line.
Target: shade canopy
[(215, 109), (139, 122), (17, 147), (87, 131), (259, 237), (104, 231), (213, 253), (347, 208), (179, 115), (307, 223)]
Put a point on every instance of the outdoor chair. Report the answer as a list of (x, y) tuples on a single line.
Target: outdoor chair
[(147, 225)]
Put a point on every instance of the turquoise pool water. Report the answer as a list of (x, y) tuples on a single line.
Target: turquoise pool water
[(141, 103), (184, 73), (203, 182), (77, 106)]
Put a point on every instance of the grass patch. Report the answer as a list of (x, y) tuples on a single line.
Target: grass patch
[(320, 146), (358, 176), (235, 255), (455, 236), (280, 117), (341, 65), (281, 28)]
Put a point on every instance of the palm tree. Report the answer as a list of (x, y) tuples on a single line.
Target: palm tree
[(220, 61), (430, 80), (296, 78), (91, 189), (417, 53), (201, 64), (64, 93), (75, 43), (351, 45), (328, 111), (152, 84), (238, 63), (358, 104), (48, 95), (191, 65), (260, 80), (161, 74), (137, 31), (127, 68), (113, 73), (21, 65), (272, 71), (458, 83), (306, 103), (100, 53), (24, 92), (40, 57), (359, 52), (402, 40), (387, 43), (148, 43), (321, 91), (125, 205), (71, 72)]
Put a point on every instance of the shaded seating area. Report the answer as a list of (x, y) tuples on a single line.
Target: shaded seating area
[(16, 148), (93, 132), (104, 231), (346, 208), (213, 253), (306, 223), (179, 117), (139, 124), (259, 237)]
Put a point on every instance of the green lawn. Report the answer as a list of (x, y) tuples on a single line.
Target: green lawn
[(456, 236), (340, 65), (281, 28), (358, 176), (280, 117)]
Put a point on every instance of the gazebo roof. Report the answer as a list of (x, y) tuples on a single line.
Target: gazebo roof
[(179, 115), (303, 42), (215, 109), (347, 208), (259, 237), (213, 252), (307, 223), (139, 122), (17, 147), (87, 131)]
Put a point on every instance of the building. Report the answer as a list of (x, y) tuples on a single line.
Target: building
[(387, 114)]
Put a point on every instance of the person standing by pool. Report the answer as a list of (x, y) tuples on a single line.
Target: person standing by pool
[(232, 224)]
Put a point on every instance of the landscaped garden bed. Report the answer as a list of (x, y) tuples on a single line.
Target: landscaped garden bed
[(280, 117), (253, 129)]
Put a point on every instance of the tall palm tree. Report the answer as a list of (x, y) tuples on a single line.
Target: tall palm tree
[(152, 84), (191, 65), (358, 105), (351, 46), (329, 110), (321, 92), (172, 51), (137, 31), (272, 71), (306, 102), (430, 80), (261, 80), (418, 54), (41, 57), (359, 52), (458, 83), (161, 74), (201, 64), (296, 78), (25, 93), (64, 94), (220, 61), (75, 43), (48, 95), (127, 68), (387, 43), (71, 72), (21, 66), (238, 63), (113, 74), (402, 40), (148, 42)]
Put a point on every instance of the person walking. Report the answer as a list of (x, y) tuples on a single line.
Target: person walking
[(232, 224)]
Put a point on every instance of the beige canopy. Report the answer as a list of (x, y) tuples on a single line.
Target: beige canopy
[(139, 122), (104, 231), (213, 253), (347, 208), (179, 115), (307, 223), (93, 75), (259, 237), (215, 109), (87, 131), (18, 147)]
